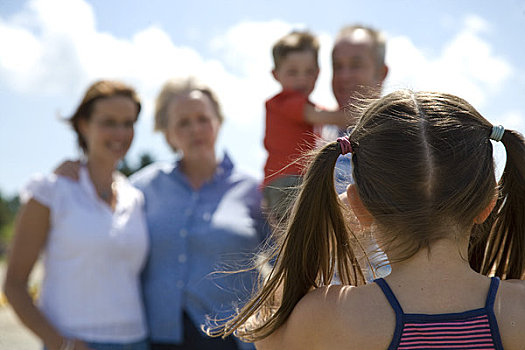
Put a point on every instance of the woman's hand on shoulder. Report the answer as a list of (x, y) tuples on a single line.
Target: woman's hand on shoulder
[(69, 169)]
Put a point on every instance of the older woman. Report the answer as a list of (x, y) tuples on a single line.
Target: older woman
[(92, 234), (203, 215)]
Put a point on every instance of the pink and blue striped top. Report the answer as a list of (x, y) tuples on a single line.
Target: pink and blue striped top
[(473, 329)]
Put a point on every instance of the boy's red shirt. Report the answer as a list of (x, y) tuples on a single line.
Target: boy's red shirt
[(288, 136)]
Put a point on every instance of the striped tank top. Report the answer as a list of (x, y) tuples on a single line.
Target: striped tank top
[(473, 329)]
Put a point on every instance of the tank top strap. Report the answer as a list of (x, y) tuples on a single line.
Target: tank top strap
[(491, 295), (389, 294), (489, 309)]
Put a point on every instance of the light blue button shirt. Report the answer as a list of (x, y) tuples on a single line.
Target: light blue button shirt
[(194, 233), (343, 173), (342, 178)]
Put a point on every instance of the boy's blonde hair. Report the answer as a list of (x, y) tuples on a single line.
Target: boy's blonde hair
[(294, 42)]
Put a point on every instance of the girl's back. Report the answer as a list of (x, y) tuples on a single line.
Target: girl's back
[(425, 185), (343, 317)]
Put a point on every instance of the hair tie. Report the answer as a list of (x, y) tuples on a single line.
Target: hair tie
[(345, 145), (497, 133)]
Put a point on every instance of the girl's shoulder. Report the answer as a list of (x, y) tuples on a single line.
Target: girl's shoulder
[(512, 292), (509, 308), (335, 316), (360, 311)]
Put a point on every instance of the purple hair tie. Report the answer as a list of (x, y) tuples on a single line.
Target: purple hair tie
[(344, 143)]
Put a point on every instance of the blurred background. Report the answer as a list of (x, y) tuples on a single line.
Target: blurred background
[(50, 50)]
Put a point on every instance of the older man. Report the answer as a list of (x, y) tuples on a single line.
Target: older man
[(359, 70), (358, 62)]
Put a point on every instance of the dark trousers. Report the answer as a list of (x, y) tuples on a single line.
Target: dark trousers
[(194, 339)]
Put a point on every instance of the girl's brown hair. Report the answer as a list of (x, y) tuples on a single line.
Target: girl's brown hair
[(96, 91), (423, 167)]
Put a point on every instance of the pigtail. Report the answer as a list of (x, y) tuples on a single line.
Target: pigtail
[(315, 245), (498, 245)]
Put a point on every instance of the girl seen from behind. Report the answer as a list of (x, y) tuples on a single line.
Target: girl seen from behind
[(425, 182)]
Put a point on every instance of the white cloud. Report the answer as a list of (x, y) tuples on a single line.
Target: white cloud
[(21, 50), (73, 18), (466, 65), (476, 24), (245, 50), (246, 47), (47, 51), (39, 45), (513, 119), (54, 47)]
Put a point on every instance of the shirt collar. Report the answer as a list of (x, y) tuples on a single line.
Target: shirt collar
[(85, 182), (224, 168), (87, 185)]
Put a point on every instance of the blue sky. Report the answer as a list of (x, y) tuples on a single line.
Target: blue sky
[(50, 50)]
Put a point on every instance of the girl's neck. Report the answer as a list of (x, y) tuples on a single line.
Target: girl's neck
[(439, 281), (198, 171), (447, 258)]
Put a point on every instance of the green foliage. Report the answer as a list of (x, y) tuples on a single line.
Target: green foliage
[(8, 209), (126, 169)]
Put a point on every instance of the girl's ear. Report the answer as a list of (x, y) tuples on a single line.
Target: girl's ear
[(362, 214), (485, 212)]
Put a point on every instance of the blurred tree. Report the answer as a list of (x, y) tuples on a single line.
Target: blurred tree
[(144, 160), (8, 209), (124, 167)]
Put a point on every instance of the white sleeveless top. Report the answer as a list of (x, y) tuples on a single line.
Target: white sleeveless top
[(92, 259)]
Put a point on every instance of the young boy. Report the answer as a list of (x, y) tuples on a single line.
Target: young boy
[(291, 117)]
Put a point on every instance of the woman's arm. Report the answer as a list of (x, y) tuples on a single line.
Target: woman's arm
[(31, 231)]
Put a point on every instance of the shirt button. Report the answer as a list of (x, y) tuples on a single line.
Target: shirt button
[(183, 233), (180, 284), (182, 258), (206, 216), (187, 212), (195, 196)]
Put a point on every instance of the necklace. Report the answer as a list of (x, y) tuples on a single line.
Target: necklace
[(106, 195)]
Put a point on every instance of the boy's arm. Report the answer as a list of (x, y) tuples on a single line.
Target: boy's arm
[(313, 115)]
